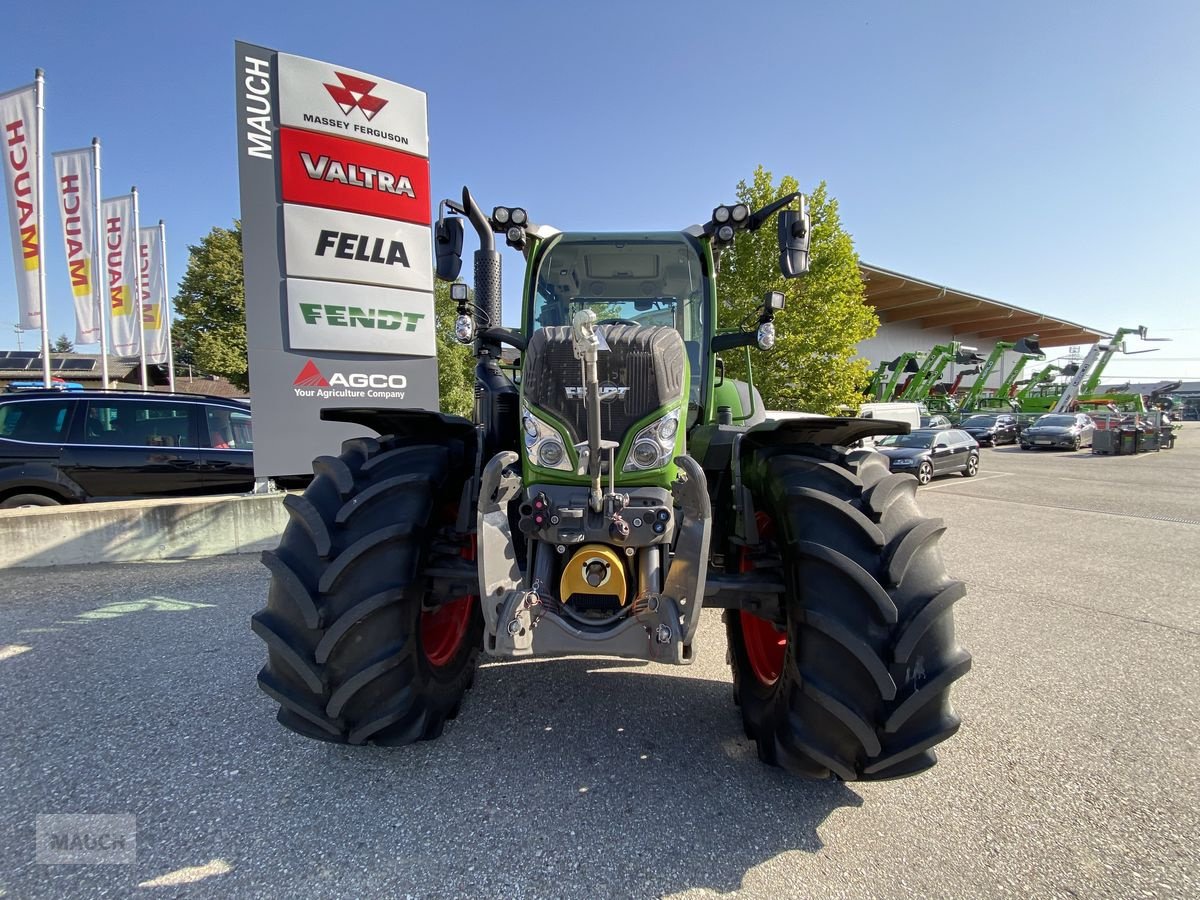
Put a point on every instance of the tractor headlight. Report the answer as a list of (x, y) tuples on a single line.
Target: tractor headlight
[(654, 445), (550, 453), (464, 329), (543, 444)]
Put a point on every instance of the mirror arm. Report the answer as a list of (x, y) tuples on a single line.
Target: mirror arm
[(757, 218)]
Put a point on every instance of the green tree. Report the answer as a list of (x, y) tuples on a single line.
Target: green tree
[(813, 366), (211, 306), (456, 365), (62, 344)]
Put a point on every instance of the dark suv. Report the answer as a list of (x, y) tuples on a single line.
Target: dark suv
[(72, 447), (991, 428)]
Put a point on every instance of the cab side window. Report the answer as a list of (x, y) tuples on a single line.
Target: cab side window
[(35, 421), (138, 423)]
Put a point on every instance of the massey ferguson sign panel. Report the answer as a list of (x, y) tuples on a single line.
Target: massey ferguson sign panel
[(336, 214)]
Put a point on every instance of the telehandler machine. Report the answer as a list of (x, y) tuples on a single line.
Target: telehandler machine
[(605, 500)]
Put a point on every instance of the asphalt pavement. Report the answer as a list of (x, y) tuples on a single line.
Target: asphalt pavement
[(129, 689)]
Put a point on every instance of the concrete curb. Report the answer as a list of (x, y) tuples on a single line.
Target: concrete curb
[(140, 530)]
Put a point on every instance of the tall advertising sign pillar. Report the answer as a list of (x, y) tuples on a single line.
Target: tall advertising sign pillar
[(336, 234)]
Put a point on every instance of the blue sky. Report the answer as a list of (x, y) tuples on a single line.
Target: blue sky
[(1043, 154)]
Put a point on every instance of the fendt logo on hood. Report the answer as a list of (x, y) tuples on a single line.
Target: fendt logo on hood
[(608, 391), (312, 383), (355, 93)]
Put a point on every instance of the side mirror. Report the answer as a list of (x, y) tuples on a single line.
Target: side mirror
[(448, 244), (794, 233)]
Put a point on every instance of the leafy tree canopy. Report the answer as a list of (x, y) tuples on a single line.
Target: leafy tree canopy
[(211, 306), (813, 366)]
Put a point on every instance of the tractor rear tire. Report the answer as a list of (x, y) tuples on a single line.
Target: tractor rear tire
[(856, 684), (359, 651)]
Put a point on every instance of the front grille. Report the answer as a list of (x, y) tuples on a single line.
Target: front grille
[(648, 361)]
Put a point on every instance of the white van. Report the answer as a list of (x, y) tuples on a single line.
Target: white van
[(893, 412)]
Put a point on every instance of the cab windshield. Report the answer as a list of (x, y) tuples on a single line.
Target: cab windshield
[(646, 278)]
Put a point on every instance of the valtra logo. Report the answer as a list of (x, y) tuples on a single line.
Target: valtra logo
[(355, 93)]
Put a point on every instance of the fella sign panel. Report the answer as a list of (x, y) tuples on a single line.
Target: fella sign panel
[(336, 213)]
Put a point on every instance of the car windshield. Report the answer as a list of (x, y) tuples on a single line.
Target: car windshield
[(918, 439), (979, 420), (1056, 421)]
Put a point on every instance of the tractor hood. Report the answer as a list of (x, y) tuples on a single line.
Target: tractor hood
[(643, 375)]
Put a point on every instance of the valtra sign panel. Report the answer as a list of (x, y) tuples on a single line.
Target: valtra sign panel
[(337, 244), (352, 104), (337, 173)]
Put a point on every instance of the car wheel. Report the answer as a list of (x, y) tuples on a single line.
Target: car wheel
[(24, 501), (1026, 447), (1078, 443), (925, 473), (972, 466)]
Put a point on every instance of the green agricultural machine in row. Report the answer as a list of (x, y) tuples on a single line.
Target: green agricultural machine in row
[(1044, 395), (601, 504), (919, 386), (1002, 399)]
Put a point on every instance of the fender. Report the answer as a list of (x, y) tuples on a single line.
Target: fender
[(426, 426), (39, 478), (778, 436)]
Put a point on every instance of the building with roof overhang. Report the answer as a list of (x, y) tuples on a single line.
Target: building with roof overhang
[(915, 314)]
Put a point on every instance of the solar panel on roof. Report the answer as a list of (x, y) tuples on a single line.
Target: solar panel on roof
[(79, 365), (23, 354)]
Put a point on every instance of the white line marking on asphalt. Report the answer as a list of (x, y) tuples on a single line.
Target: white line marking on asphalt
[(982, 476), (8, 651)]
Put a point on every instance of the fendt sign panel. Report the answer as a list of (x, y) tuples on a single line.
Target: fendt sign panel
[(336, 218)]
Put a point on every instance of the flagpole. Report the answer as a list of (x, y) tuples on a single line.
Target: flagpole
[(166, 304), (137, 288), (98, 268), (39, 87)]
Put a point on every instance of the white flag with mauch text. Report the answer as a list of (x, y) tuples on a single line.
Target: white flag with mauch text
[(120, 274), (154, 294), (22, 156), (74, 177)]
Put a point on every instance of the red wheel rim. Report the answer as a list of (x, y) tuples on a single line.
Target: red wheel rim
[(765, 647), (443, 630)]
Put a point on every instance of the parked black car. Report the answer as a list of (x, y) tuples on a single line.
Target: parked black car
[(76, 446), (928, 452), (1062, 430), (991, 428)]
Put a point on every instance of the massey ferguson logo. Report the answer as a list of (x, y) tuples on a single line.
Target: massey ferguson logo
[(355, 93), (312, 383)]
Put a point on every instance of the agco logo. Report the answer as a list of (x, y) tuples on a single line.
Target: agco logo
[(355, 93), (312, 383)]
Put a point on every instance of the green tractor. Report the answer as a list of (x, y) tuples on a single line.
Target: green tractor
[(601, 503)]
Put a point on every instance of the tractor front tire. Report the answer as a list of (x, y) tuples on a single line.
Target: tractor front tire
[(855, 684), (359, 649)]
